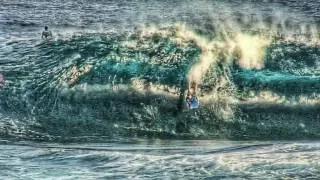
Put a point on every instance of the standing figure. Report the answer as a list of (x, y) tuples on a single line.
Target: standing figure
[(191, 99)]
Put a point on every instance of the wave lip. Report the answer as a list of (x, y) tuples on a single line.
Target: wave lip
[(133, 84)]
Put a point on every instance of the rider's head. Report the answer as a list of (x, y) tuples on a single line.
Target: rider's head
[(189, 94)]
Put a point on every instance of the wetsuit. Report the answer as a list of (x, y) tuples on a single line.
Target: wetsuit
[(46, 34)]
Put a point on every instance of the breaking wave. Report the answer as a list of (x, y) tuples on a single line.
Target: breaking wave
[(257, 77)]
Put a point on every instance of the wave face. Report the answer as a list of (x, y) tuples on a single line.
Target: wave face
[(104, 77)]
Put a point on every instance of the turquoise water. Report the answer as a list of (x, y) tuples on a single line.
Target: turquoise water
[(104, 99)]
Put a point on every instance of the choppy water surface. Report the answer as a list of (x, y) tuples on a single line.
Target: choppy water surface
[(161, 160), (120, 69)]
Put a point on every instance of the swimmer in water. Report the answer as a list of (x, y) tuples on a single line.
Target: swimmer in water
[(46, 34)]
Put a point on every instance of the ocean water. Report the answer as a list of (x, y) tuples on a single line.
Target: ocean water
[(161, 159), (104, 98)]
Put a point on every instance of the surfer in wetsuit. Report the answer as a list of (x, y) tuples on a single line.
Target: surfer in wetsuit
[(191, 99), (46, 34)]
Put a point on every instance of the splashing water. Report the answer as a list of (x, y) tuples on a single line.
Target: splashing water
[(131, 81), (106, 95)]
